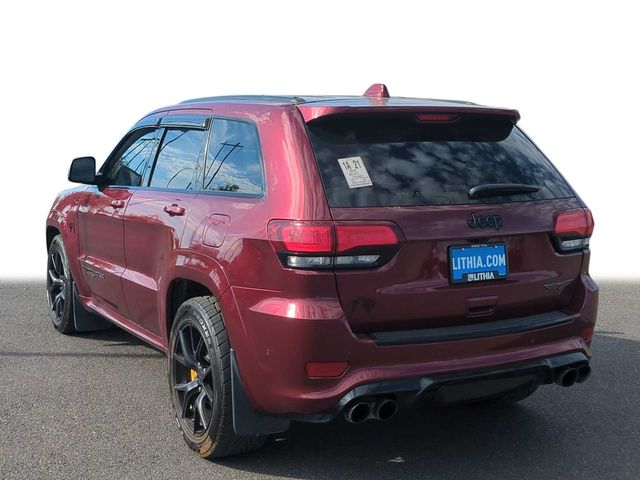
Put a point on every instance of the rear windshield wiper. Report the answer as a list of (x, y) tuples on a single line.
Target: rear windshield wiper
[(495, 189)]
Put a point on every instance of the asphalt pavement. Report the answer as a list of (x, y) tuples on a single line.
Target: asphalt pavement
[(96, 406)]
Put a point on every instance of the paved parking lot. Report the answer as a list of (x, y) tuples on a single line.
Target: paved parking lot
[(96, 406)]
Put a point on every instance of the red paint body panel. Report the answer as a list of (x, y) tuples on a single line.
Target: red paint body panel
[(101, 246), (319, 332), (413, 290), (152, 241), (124, 259)]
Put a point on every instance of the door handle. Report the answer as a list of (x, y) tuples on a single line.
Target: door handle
[(174, 210), (117, 203)]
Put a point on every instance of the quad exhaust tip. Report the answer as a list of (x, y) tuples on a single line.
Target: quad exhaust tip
[(385, 409), (572, 375), (360, 411), (568, 377), (357, 412), (584, 372)]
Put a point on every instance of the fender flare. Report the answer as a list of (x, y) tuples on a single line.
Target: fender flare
[(198, 268)]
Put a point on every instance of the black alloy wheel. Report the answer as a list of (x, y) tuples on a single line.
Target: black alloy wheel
[(199, 364), (191, 380), (59, 287)]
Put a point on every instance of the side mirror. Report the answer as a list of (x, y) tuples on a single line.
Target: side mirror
[(83, 170)]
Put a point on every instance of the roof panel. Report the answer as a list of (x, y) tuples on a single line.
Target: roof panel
[(259, 99), (313, 106), (333, 100)]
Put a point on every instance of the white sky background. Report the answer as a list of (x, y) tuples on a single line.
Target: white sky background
[(75, 76)]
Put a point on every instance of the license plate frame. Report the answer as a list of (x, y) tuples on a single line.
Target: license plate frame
[(478, 262)]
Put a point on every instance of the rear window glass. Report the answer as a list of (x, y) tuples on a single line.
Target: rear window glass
[(233, 162), (395, 160)]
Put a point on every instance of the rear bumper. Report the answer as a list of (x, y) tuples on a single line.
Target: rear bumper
[(275, 337), (457, 387)]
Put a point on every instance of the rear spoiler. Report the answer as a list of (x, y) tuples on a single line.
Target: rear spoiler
[(311, 112)]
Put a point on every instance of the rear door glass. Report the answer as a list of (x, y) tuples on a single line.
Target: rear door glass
[(177, 159), (396, 160)]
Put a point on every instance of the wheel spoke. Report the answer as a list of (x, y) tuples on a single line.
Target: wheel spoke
[(183, 361), (196, 351), (54, 267), (185, 404), (57, 264), (195, 418), (60, 266), (55, 280), (58, 303), (53, 290), (209, 391), (199, 404), (191, 346), (187, 351), (187, 386)]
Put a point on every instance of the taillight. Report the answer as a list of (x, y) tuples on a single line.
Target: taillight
[(354, 236), (303, 237), (572, 229), (314, 245)]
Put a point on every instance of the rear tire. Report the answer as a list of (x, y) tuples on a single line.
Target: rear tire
[(59, 287), (199, 364)]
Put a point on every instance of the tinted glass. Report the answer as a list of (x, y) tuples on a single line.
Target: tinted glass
[(233, 160), (131, 168), (177, 159), (415, 163)]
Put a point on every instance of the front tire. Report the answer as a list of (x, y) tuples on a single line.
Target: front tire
[(200, 381), (59, 287)]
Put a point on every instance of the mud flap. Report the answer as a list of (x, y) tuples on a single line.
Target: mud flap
[(246, 421), (83, 319)]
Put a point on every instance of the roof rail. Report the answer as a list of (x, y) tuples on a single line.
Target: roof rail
[(248, 98)]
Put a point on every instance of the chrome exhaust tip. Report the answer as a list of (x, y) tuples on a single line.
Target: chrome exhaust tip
[(384, 409), (584, 372), (357, 412), (567, 377)]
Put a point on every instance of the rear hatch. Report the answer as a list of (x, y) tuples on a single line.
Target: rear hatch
[(464, 255)]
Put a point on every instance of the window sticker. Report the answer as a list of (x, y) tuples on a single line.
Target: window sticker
[(355, 172)]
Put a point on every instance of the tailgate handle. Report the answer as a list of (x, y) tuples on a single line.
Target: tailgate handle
[(481, 305), (117, 203)]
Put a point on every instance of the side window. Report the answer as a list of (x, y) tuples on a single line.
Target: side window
[(132, 164), (233, 159), (177, 158)]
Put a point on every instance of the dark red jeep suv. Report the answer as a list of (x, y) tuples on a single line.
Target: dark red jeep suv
[(303, 258)]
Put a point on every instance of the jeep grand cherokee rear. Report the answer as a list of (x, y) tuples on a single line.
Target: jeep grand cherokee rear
[(305, 258), (460, 258)]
